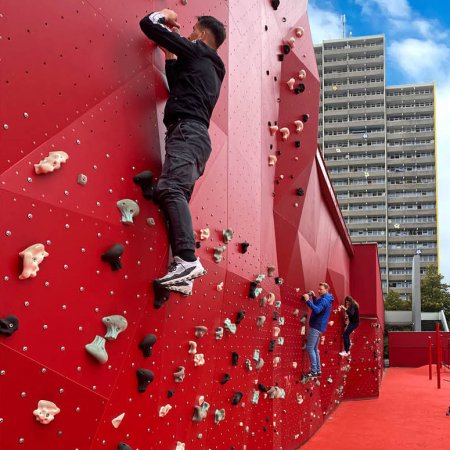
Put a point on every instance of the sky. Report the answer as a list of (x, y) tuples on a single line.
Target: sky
[(417, 39)]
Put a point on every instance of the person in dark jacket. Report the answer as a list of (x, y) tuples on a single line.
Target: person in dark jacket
[(194, 73), (351, 309), (321, 309)]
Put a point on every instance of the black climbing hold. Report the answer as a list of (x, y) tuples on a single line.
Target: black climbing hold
[(198, 244), (275, 315), (145, 181), (236, 398), (275, 79), (269, 123), (266, 27), (123, 446), (264, 428), (281, 57), (279, 280), (278, 152), (277, 181), (275, 4), (272, 345), (234, 358), (253, 287), (170, 393), (162, 295), (9, 325), (271, 146), (300, 192), (286, 49), (305, 117), (144, 377), (300, 88), (262, 388), (112, 256), (244, 247), (297, 144), (146, 345), (225, 378), (239, 317)]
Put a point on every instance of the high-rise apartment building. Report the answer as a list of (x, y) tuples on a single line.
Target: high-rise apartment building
[(379, 146)]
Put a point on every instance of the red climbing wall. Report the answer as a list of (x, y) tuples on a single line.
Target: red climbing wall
[(80, 77)]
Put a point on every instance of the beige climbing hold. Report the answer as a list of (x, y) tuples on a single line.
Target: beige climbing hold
[(32, 257), (285, 133), (117, 420), (51, 162)]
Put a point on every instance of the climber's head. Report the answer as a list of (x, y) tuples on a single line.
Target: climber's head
[(208, 30)]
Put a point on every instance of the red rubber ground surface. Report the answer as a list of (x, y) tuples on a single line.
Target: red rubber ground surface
[(410, 413)]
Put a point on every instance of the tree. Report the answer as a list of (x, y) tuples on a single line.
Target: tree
[(435, 294), (393, 302)]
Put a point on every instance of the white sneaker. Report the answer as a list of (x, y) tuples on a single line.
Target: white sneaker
[(182, 287), (343, 353), (181, 270)]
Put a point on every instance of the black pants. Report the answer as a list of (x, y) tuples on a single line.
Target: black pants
[(349, 330), (188, 147)]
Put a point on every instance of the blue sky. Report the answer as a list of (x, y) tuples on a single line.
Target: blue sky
[(418, 50)]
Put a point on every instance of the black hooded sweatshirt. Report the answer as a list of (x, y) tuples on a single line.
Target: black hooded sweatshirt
[(194, 78)]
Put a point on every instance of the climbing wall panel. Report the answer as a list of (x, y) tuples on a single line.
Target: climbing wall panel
[(81, 78)]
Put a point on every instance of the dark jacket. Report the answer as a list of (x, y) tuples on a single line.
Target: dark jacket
[(321, 309), (194, 78), (353, 314)]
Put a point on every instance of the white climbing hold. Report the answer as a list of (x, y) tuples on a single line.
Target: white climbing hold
[(299, 31), (32, 257), (117, 420), (291, 83), (52, 162), (219, 287), (276, 331), (298, 126), (303, 330), (180, 446), (285, 133), (204, 233), (129, 209), (114, 325), (163, 411), (97, 349), (46, 411), (290, 42), (199, 359), (273, 129), (192, 347), (302, 74)]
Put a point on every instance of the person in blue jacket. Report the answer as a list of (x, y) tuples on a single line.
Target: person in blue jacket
[(321, 309)]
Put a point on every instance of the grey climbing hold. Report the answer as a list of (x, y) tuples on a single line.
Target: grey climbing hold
[(260, 364), (281, 340), (200, 331), (123, 446), (248, 365), (97, 349), (114, 325), (218, 253), (227, 235), (260, 278), (256, 355), (277, 304), (129, 209), (179, 374), (260, 321), (229, 326), (200, 412), (219, 415), (219, 333), (255, 397), (271, 270), (82, 179)]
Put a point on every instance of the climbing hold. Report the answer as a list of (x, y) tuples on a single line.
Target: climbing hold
[(254, 290), (296, 312), (299, 89), (262, 388), (273, 129), (276, 361), (219, 333), (300, 192), (286, 49), (302, 74), (146, 345), (272, 345), (259, 364), (144, 378), (260, 321), (192, 347), (260, 278), (275, 4), (218, 251), (199, 359), (303, 330), (275, 315), (303, 319), (239, 317), (51, 162), (297, 145), (9, 325), (227, 235), (263, 301), (272, 161), (299, 398), (117, 420), (225, 378), (82, 179), (145, 181), (219, 287), (219, 415), (248, 365), (97, 349), (32, 257), (46, 412), (290, 42), (200, 331), (151, 222), (256, 355), (184, 2), (164, 410), (279, 280), (229, 326), (112, 256), (161, 294), (179, 374), (305, 118), (180, 446), (299, 31), (114, 325), (281, 321), (234, 358), (204, 233), (285, 133), (123, 446), (275, 392), (331, 323), (291, 83), (129, 209), (270, 270), (271, 298), (298, 126), (236, 398), (276, 331), (281, 340), (277, 304), (255, 397), (244, 247), (200, 412)]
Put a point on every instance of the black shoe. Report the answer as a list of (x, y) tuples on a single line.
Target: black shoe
[(311, 375), (318, 374)]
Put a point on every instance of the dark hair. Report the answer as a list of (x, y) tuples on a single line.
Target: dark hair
[(216, 27), (351, 300)]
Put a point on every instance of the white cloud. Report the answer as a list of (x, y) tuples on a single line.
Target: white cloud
[(391, 8), (324, 24)]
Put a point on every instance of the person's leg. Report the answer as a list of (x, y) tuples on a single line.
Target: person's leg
[(317, 352), (350, 328), (313, 338), (187, 150)]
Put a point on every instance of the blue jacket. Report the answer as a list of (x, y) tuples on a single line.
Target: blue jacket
[(321, 309)]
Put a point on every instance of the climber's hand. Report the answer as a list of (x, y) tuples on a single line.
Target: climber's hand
[(171, 17)]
